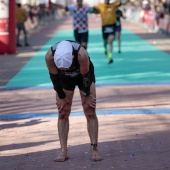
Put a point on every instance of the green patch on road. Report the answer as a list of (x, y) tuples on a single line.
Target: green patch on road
[(139, 62)]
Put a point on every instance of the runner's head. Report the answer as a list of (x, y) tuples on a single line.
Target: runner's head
[(107, 1), (63, 55), (80, 3)]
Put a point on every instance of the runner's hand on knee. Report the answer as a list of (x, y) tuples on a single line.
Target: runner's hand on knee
[(61, 103), (90, 101)]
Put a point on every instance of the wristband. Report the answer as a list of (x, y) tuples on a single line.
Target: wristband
[(57, 86)]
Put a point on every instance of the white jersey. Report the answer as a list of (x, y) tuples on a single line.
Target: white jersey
[(80, 17)]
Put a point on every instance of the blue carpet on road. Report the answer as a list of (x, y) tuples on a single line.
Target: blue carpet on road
[(16, 116), (139, 63)]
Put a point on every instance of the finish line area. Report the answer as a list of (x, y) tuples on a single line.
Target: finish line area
[(135, 76), (133, 106), (145, 64)]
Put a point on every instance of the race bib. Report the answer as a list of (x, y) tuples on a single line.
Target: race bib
[(108, 29), (82, 31)]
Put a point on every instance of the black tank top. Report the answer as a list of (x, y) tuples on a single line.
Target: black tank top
[(74, 69)]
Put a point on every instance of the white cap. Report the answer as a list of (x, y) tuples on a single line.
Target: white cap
[(63, 55)]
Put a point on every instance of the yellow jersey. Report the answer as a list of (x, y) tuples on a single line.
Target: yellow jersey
[(108, 12), (20, 15)]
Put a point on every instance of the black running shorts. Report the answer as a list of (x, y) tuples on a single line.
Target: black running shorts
[(69, 83), (81, 37), (108, 30)]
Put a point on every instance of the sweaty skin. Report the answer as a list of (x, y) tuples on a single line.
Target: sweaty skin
[(64, 109)]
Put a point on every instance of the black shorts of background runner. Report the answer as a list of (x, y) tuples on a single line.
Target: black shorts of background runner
[(118, 28), (69, 83), (81, 37), (106, 35)]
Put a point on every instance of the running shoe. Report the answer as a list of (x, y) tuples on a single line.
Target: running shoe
[(110, 61)]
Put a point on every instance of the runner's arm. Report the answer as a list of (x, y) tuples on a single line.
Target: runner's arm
[(50, 62), (83, 60), (84, 70), (53, 72)]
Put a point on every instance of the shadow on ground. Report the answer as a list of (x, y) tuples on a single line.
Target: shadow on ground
[(149, 152)]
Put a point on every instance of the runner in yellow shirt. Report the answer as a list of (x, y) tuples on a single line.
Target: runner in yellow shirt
[(107, 11)]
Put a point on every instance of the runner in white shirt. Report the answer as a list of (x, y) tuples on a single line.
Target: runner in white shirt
[(79, 14)]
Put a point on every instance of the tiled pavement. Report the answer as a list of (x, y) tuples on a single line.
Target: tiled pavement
[(125, 142), (135, 141)]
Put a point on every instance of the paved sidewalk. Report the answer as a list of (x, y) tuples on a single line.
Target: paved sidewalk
[(128, 142), (134, 128)]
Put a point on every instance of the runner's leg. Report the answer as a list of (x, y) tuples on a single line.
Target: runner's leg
[(63, 126), (92, 123)]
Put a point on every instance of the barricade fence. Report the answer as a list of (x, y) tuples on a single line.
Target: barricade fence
[(148, 19)]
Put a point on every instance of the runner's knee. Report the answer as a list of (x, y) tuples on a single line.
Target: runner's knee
[(89, 111), (64, 113)]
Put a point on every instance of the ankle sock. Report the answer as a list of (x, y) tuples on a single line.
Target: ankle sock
[(110, 55)]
